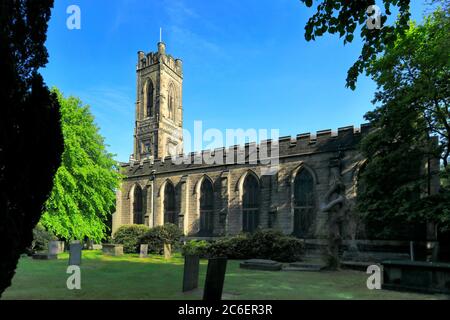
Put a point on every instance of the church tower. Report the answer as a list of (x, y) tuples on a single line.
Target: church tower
[(159, 112)]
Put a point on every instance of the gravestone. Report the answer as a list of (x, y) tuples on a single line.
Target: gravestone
[(167, 251), (191, 270), (111, 249), (143, 253), (215, 276), (75, 253), (55, 247), (89, 245)]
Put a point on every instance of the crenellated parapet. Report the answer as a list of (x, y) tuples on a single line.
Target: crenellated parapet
[(155, 58), (345, 138)]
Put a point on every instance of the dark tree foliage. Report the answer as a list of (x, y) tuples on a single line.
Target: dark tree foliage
[(30, 133), (345, 16), (411, 131)]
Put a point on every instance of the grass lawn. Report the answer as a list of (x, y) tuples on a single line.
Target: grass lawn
[(129, 277)]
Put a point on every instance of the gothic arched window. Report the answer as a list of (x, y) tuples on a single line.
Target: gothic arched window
[(171, 103), (303, 203), (150, 99), (138, 212), (206, 208), (250, 204), (170, 214)]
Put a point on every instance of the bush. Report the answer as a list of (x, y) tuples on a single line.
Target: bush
[(236, 247), (264, 241), (287, 249), (157, 236), (129, 236), (196, 247), (41, 238), (263, 244)]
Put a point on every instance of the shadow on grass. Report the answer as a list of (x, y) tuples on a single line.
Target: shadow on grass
[(131, 277), (102, 277)]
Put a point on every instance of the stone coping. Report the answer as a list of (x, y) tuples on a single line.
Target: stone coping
[(424, 264)]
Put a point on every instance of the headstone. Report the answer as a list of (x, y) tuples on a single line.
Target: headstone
[(143, 253), (167, 251), (191, 270), (89, 244), (75, 253), (53, 247), (432, 251), (215, 277), (112, 249)]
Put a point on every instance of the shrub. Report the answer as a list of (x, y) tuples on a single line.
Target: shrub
[(153, 240), (41, 238), (129, 236), (236, 247), (264, 241), (287, 249), (196, 247), (157, 236), (263, 244)]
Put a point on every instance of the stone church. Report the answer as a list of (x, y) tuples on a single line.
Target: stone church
[(226, 198)]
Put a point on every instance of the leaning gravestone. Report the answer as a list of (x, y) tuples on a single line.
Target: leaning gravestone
[(143, 252), (215, 277), (191, 269), (75, 253), (167, 251)]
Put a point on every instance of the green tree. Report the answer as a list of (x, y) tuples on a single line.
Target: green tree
[(83, 195), (411, 127), (30, 132), (344, 17)]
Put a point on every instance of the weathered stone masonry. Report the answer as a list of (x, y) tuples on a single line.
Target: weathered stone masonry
[(225, 199)]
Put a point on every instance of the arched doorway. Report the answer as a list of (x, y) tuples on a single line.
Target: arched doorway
[(304, 204), (250, 204)]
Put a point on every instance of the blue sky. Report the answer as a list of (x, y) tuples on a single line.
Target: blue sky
[(246, 64)]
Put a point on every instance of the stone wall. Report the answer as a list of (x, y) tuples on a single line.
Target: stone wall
[(315, 153)]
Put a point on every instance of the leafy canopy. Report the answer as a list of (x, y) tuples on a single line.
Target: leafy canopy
[(411, 128), (344, 17), (83, 194), (31, 141)]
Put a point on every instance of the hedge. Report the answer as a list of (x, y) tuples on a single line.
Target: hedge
[(263, 244)]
